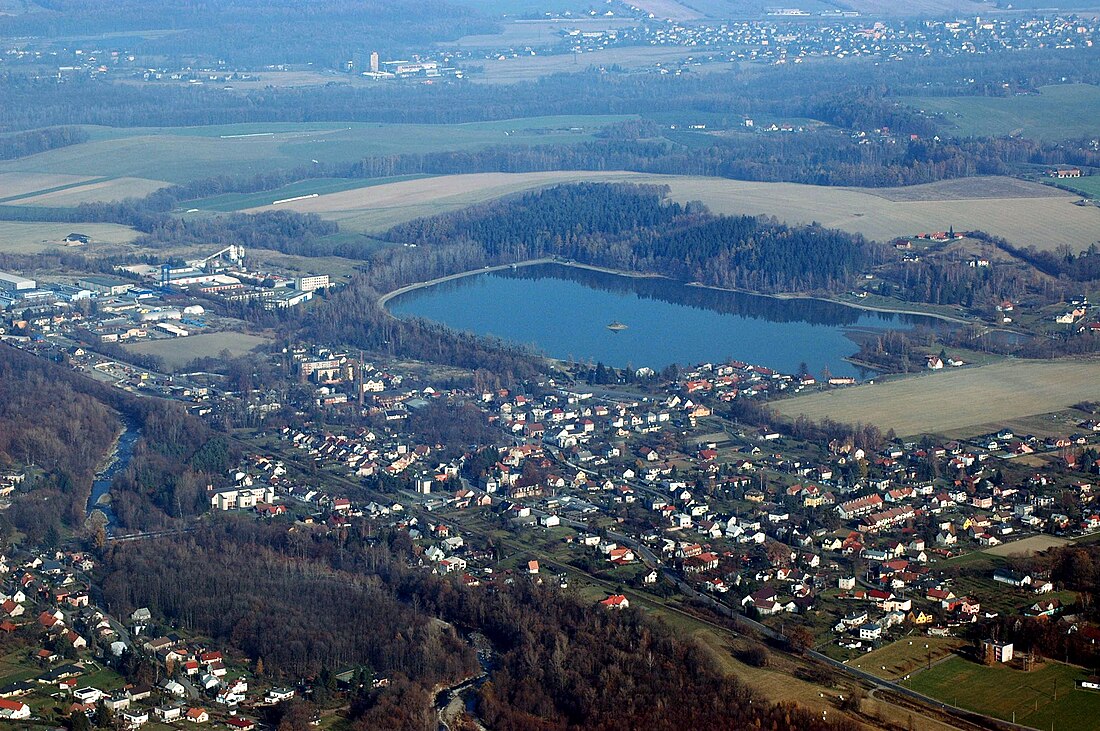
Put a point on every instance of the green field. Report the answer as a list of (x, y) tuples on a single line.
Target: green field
[(320, 186), (180, 154), (1057, 112), (1087, 186), (999, 691)]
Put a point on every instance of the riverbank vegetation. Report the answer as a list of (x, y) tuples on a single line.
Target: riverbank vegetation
[(59, 426)]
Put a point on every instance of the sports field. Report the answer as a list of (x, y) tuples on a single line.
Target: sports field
[(33, 238), (179, 154), (1043, 698), (177, 352), (1056, 112), (955, 400), (1025, 213)]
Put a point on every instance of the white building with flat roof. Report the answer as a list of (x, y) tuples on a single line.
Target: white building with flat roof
[(308, 284), (15, 283)]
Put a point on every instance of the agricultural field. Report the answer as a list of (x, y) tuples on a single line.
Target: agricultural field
[(1055, 113), (180, 154), (17, 185), (378, 208), (1027, 546), (976, 399), (100, 191), (1025, 213), (315, 186), (177, 352), (902, 657), (528, 68), (1044, 698), (669, 9), (34, 238)]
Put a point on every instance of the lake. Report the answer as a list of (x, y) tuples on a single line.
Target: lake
[(564, 312)]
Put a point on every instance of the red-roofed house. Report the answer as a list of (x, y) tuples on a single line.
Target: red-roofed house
[(14, 709), (616, 601)]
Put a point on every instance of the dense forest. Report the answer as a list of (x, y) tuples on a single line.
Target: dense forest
[(58, 426), (61, 425), (634, 228), (175, 459), (304, 600)]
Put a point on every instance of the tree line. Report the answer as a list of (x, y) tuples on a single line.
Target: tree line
[(32, 142)]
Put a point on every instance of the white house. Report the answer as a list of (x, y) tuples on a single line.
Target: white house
[(870, 632)]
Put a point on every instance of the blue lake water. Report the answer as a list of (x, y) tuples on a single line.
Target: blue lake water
[(564, 311)]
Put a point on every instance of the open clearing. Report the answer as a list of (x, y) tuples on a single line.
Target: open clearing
[(902, 657), (1044, 698), (178, 352), (34, 238), (103, 191), (1025, 213), (1027, 546), (180, 154), (1056, 112), (940, 401)]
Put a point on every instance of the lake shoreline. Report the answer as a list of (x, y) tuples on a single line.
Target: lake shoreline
[(385, 298)]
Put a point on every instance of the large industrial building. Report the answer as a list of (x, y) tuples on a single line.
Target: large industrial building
[(14, 283)]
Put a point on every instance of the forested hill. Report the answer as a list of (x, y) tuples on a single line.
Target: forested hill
[(635, 228), (312, 602)]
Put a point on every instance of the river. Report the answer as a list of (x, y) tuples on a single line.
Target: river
[(118, 460), (564, 312)]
